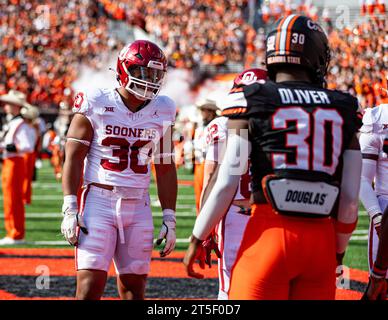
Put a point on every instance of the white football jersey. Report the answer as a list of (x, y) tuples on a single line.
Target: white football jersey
[(198, 144), (374, 132), (216, 133), (123, 141)]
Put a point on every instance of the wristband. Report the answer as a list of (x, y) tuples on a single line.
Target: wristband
[(70, 201), (373, 211), (376, 219), (169, 215)]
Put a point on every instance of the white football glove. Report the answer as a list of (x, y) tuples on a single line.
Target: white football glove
[(167, 232), (71, 220)]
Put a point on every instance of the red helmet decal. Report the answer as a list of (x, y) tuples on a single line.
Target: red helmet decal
[(250, 76)]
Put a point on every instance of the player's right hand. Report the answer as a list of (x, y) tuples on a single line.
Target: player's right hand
[(196, 251), (72, 220), (376, 220), (209, 245)]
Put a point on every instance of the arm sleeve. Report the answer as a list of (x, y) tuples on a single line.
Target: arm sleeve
[(370, 146), (348, 203), (233, 165)]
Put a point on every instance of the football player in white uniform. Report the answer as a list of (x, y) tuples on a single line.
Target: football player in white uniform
[(231, 228), (374, 148), (377, 286), (116, 132)]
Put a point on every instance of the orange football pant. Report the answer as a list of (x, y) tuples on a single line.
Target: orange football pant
[(29, 159), (198, 182), (285, 258), (12, 180)]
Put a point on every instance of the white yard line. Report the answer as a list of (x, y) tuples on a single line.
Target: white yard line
[(359, 238), (52, 197), (361, 231), (61, 242), (179, 240), (38, 215)]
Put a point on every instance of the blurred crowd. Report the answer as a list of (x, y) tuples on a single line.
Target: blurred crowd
[(272, 10), (44, 45), (192, 32), (360, 61)]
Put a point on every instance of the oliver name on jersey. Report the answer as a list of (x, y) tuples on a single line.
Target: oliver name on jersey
[(298, 130)]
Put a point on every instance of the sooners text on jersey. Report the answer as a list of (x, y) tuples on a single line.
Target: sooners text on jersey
[(123, 141)]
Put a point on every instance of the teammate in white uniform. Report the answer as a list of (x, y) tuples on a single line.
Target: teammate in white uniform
[(231, 228), (374, 148), (118, 131)]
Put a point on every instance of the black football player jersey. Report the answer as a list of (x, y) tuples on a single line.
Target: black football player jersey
[(294, 127)]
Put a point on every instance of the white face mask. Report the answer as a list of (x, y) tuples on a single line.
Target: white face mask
[(144, 82)]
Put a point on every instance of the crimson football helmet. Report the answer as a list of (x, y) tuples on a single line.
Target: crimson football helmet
[(141, 68), (249, 76)]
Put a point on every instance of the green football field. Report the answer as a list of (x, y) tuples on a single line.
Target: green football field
[(43, 217)]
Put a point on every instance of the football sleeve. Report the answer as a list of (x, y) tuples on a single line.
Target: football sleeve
[(348, 203), (233, 165), (370, 148)]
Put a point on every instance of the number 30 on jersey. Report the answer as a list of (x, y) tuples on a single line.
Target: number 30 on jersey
[(327, 128)]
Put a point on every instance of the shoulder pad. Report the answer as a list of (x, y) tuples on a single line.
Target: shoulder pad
[(234, 103), (167, 107), (253, 88), (88, 101), (376, 119), (216, 130)]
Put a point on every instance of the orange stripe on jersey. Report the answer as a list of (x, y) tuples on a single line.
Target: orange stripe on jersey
[(279, 33), (233, 111), (235, 90), (288, 37)]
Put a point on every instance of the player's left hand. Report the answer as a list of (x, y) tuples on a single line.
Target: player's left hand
[(376, 290), (196, 251), (71, 220), (167, 232)]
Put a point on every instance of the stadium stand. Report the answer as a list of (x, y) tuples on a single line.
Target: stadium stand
[(43, 46)]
